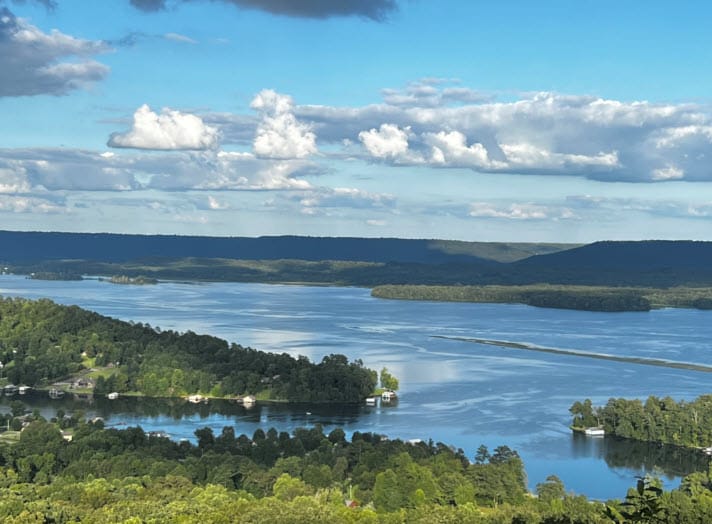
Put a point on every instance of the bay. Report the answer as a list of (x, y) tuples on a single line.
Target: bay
[(452, 391)]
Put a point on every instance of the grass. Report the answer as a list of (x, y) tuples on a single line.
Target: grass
[(10, 437)]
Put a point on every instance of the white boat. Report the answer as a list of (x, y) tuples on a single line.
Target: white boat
[(113, 395), (23, 389), (370, 401), (10, 389)]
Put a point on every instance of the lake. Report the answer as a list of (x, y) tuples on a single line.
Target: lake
[(456, 392)]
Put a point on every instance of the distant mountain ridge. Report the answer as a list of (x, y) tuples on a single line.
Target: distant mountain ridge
[(643, 255), (18, 246)]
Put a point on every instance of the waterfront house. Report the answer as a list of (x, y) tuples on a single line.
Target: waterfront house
[(594, 432), (388, 396)]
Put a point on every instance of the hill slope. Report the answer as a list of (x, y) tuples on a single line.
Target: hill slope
[(647, 255), (19, 246)]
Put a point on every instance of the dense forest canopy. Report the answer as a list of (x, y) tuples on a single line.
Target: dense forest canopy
[(41, 342), (110, 475)]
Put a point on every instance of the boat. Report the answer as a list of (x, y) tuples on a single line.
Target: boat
[(113, 395), (370, 401), (23, 389), (196, 399), (10, 389)]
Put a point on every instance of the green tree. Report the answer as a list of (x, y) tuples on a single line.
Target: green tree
[(388, 381)]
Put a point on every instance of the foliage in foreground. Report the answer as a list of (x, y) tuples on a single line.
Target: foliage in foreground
[(109, 475)]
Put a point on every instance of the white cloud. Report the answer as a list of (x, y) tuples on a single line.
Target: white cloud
[(386, 142), (325, 200), (279, 134), (517, 211), (171, 130), (13, 178), (29, 170), (18, 204), (540, 133), (668, 173), (216, 204), (177, 37), (451, 149), (34, 63)]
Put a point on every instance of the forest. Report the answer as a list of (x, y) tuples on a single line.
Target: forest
[(662, 420), (126, 475), (42, 342)]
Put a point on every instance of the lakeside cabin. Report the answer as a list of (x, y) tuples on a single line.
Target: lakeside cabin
[(388, 396)]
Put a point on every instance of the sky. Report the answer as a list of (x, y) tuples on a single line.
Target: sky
[(505, 120)]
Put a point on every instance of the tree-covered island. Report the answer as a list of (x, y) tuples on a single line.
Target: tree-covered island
[(42, 342)]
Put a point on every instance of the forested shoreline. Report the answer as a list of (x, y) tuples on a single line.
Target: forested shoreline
[(42, 342), (661, 420), (585, 298)]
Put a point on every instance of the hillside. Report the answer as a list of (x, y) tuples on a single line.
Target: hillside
[(24, 247), (647, 255)]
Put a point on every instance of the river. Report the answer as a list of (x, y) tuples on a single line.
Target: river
[(453, 391)]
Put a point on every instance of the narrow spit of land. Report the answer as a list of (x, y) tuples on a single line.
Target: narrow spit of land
[(572, 352)]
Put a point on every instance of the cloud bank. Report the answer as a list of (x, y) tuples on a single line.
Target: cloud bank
[(540, 133), (36, 63)]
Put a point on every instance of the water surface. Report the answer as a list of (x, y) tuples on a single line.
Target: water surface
[(453, 391)]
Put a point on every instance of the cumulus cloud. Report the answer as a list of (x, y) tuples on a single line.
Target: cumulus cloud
[(372, 9), (388, 141), (169, 130), (279, 134), (35, 63)]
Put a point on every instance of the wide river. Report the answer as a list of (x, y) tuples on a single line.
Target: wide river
[(460, 393)]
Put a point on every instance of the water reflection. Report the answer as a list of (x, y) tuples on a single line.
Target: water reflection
[(657, 459)]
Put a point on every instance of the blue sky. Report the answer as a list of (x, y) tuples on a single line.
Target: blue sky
[(509, 120)]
